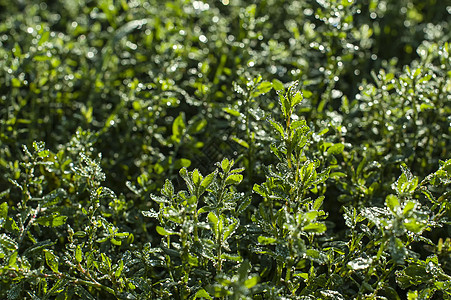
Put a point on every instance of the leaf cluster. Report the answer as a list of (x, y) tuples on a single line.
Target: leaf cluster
[(225, 149)]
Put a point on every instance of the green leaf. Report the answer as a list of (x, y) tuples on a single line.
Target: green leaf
[(412, 295), (80, 234), (202, 294), (406, 183), (311, 215), (164, 232), (197, 126), (425, 78), (408, 207), (231, 229), (11, 225), (432, 259), (17, 50), (300, 124), (57, 288), (52, 220), (16, 175), (53, 197), (392, 202), (38, 247), (318, 202), (3, 211), (42, 58), (221, 225), (306, 93), (260, 190), (297, 98), (417, 72), (242, 207), (324, 131), (315, 228), (241, 142), (115, 241), (397, 249), (251, 282), (106, 260), (44, 153), (119, 269), (231, 111), (78, 254), (444, 286), (400, 186), (51, 260), (315, 255), (308, 173), (237, 170), (204, 209), (12, 260), (243, 270), (234, 179), (278, 127), (302, 275), (193, 260), (206, 182), (225, 165), (15, 82), (178, 127), (426, 106), (197, 177), (214, 221), (414, 226), (266, 240), (264, 87), (168, 188), (231, 257), (277, 85), (189, 183), (284, 104), (337, 175), (182, 163), (336, 149)]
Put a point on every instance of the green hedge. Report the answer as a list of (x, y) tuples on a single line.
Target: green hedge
[(225, 149)]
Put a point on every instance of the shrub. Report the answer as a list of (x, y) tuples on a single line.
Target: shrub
[(231, 149)]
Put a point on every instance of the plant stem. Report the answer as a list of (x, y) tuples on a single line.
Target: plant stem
[(250, 141)]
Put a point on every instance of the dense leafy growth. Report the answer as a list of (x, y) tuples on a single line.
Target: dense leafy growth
[(225, 149)]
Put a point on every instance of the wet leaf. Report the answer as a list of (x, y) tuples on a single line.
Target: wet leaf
[(52, 220)]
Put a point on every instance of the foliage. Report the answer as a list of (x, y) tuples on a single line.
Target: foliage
[(225, 149)]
